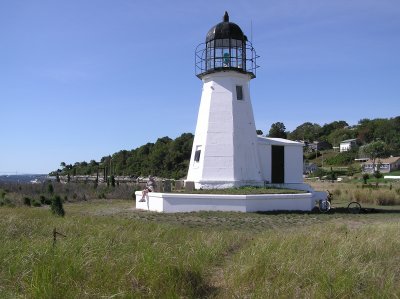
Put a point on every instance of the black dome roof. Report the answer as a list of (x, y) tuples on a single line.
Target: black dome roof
[(225, 29)]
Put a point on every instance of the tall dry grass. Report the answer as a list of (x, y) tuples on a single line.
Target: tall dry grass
[(383, 195), (113, 251), (333, 261), (103, 256)]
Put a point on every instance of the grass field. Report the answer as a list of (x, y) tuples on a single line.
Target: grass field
[(113, 251)]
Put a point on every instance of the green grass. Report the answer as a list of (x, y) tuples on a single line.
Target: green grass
[(397, 172), (113, 251)]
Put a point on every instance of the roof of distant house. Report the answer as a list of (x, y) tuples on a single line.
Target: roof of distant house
[(389, 160), (348, 140)]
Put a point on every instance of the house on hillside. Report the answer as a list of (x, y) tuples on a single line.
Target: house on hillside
[(309, 168), (347, 145), (318, 146), (384, 165)]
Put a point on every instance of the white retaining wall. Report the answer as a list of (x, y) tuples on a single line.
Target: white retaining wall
[(177, 202)]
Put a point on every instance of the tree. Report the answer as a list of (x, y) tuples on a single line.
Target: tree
[(57, 206), (259, 132), (374, 150), (329, 128), (307, 132), (277, 130)]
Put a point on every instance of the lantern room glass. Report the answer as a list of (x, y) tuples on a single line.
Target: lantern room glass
[(225, 53)]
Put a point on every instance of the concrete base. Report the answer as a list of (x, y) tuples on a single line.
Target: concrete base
[(178, 202)]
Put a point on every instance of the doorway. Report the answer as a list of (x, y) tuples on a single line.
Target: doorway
[(278, 164)]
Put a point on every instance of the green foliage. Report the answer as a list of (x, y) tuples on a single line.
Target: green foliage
[(386, 130), (327, 129), (112, 181), (378, 174), (307, 131), (312, 155), (50, 188), (319, 173), (36, 203), (375, 149), (57, 206), (2, 193), (27, 201), (365, 178), (277, 130), (351, 170), (170, 158), (164, 158), (343, 158)]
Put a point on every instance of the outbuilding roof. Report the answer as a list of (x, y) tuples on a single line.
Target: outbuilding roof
[(389, 160)]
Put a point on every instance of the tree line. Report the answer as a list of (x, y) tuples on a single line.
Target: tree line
[(170, 157), (366, 131)]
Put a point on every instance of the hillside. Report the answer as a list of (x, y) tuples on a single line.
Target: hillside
[(170, 158)]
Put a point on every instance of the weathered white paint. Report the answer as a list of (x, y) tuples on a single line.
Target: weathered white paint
[(226, 135), (178, 202)]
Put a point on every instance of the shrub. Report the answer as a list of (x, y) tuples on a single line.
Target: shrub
[(27, 201), (343, 158), (57, 206), (36, 203), (50, 188), (44, 200), (112, 181), (365, 178)]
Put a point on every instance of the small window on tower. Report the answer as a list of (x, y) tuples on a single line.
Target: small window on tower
[(239, 92), (197, 156)]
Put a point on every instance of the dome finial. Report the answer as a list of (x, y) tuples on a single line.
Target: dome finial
[(226, 17)]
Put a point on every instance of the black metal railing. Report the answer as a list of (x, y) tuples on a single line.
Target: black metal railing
[(219, 60)]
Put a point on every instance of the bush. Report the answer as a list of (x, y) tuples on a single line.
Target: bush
[(57, 206), (344, 158), (365, 178), (27, 201), (6, 202), (50, 188), (36, 203)]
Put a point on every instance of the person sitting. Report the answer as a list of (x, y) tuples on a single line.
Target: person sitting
[(149, 188)]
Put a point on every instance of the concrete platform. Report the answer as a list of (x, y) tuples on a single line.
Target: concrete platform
[(179, 202)]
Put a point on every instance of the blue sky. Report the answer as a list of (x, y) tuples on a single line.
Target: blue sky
[(84, 79)]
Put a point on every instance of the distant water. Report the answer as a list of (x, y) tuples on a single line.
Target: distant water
[(25, 178)]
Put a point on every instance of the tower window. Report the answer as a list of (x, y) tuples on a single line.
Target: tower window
[(239, 92), (197, 156)]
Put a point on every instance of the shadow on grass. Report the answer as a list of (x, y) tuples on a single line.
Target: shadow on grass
[(342, 210), (191, 283)]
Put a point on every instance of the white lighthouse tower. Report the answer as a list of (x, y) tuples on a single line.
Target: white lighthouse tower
[(225, 150)]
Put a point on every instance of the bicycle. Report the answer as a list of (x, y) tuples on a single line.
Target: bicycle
[(354, 207)]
